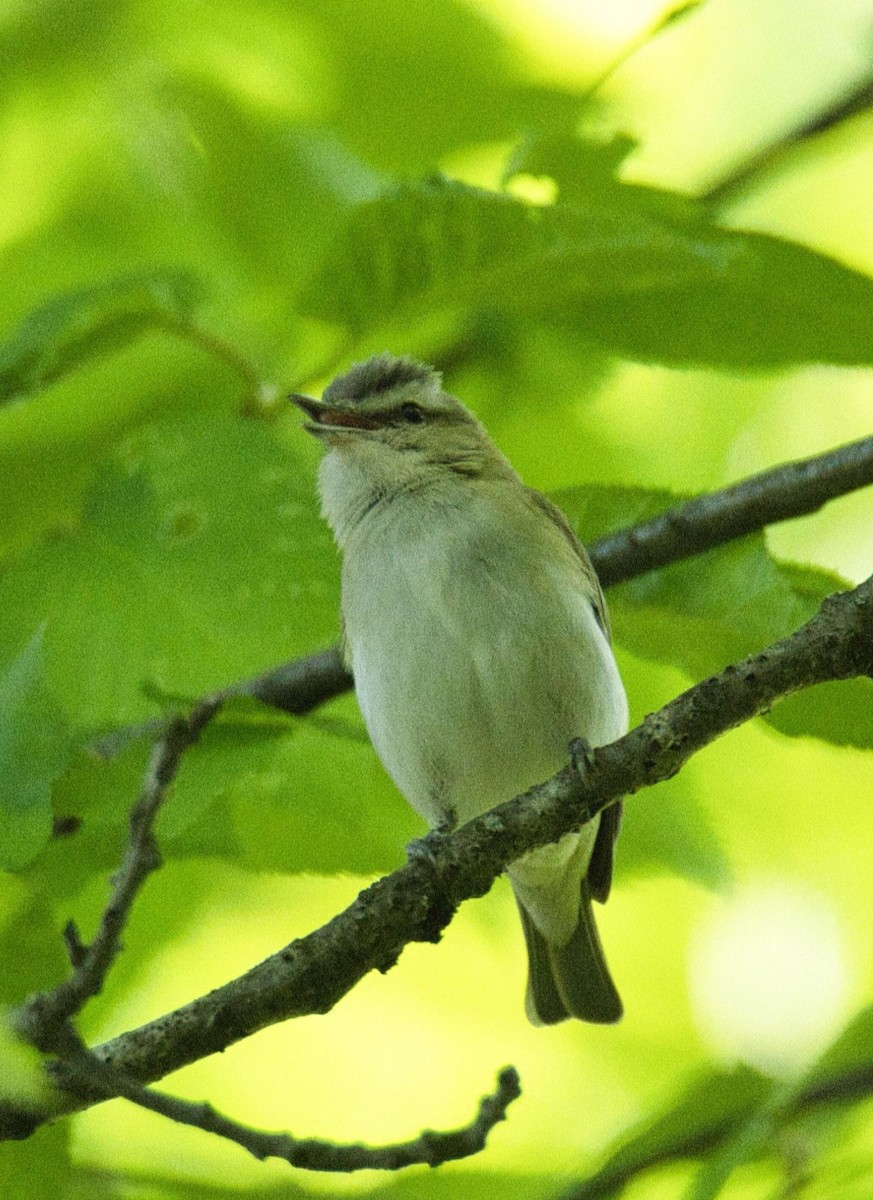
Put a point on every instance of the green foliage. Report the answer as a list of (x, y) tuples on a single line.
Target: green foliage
[(639, 272), (715, 608), (203, 211), (34, 750), (728, 1117), (64, 333), (198, 553)]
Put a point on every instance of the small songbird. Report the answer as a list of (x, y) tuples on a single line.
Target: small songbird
[(477, 634)]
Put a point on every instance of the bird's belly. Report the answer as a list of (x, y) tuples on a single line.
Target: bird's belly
[(472, 689)]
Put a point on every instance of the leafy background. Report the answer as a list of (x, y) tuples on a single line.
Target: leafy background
[(647, 282)]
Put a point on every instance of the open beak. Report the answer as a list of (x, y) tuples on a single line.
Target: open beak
[(324, 419)]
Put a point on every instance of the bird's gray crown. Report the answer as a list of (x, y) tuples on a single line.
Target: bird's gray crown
[(381, 373)]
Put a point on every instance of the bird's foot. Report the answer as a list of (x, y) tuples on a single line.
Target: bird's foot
[(581, 755), (426, 852)]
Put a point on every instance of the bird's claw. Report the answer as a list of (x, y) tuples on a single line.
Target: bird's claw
[(581, 755)]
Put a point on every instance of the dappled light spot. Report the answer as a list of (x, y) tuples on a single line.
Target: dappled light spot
[(769, 976)]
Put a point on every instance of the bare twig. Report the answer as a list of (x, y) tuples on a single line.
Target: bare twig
[(416, 901), (857, 98), (91, 963), (793, 489), (431, 1148)]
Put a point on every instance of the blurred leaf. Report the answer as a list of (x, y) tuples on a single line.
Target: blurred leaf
[(222, 153), (68, 330), (850, 1055), (34, 749), (22, 1079), (199, 559), (633, 276), (705, 1113), (282, 794), (40, 1168), (409, 84), (443, 243), (673, 833)]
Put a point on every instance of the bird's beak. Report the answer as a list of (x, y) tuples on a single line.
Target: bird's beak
[(325, 419)]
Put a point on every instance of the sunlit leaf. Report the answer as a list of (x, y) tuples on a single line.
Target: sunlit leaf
[(672, 832), (69, 329), (625, 267), (199, 559), (22, 1078), (283, 794), (34, 748)]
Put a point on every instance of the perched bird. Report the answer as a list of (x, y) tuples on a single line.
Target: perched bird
[(478, 638)]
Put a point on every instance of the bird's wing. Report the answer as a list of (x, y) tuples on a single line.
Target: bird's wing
[(600, 868), (545, 506), (345, 648)]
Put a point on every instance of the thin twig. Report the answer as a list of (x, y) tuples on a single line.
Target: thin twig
[(91, 963), (841, 1087), (430, 1148), (793, 489), (636, 43), (858, 98), (314, 972)]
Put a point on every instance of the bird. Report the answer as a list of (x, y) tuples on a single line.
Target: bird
[(478, 639)]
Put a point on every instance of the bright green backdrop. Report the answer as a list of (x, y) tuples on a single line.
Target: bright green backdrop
[(206, 205)]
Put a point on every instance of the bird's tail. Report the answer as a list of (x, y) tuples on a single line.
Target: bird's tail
[(572, 980)]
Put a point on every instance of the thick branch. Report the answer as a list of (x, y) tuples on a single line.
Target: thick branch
[(416, 901)]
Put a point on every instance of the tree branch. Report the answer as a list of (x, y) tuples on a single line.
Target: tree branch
[(792, 489), (415, 902), (85, 1071), (45, 1016)]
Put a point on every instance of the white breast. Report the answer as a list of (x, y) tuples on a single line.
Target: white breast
[(475, 650)]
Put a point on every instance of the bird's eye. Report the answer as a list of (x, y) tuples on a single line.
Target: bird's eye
[(412, 414)]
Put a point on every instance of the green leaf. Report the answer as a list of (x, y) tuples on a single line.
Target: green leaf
[(22, 1079), (199, 559), (40, 1168), (442, 243), (283, 794), (640, 272), (34, 749), (70, 329), (700, 1118), (261, 789), (407, 88), (673, 833), (304, 181), (849, 1056)]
